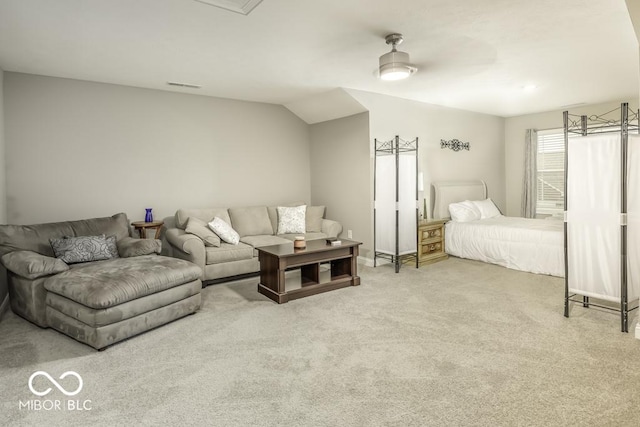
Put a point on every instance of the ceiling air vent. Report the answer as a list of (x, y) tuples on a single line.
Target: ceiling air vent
[(239, 6), (184, 85)]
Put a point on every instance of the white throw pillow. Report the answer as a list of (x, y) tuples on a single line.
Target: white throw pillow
[(291, 219), (487, 208), (464, 211), (224, 231)]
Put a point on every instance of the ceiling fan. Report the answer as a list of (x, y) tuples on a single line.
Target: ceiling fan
[(395, 65), (449, 56)]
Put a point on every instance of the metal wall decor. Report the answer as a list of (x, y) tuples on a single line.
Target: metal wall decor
[(455, 145)]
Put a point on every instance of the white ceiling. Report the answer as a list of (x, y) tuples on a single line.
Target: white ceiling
[(472, 54)]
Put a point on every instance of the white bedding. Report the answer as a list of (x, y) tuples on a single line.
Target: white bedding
[(533, 245)]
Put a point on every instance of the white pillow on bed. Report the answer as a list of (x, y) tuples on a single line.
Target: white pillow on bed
[(487, 208), (464, 211)]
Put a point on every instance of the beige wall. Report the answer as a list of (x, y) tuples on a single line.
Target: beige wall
[(515, 128), (391, 116), (347, 144), (4, 300), (634, 11), (3, 177), (78, 149), (340, 174)]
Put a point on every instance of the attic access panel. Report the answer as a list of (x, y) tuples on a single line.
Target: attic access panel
[(239, 6)]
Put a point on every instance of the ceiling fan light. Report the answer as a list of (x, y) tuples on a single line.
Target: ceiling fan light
[(395, 74), (395, 65)]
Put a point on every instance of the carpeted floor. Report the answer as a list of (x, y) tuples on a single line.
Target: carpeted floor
[(457, 343)]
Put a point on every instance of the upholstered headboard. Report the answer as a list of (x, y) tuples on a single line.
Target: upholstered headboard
[(447, 192)]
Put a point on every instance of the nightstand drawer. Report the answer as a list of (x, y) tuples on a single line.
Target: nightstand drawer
[(431, 233), (432, 248)]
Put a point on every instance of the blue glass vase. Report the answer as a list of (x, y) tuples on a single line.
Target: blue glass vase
[(148, 216)]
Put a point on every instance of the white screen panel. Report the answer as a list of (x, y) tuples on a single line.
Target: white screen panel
[(385, 204), (407, 202), (633, 218), (593, 216)]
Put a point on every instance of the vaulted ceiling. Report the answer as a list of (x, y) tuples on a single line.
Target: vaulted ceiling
[(478, 55)]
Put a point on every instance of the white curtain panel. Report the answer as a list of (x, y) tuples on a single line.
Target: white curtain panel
[(530, 180), (593, 216), (633, 218)]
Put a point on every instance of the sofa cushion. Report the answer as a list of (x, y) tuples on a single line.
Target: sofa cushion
[(251, 221), (199, 228), (32, 265), (260, 241), (36, 237), (313, 218), (291, 219), (109, 283), (139, 306), (227, 253), (81, 248), (206, 215)]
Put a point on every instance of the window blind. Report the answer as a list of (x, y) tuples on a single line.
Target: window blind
[(550, 172)]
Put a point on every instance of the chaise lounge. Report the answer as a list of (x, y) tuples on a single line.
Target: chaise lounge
[(104, 286)]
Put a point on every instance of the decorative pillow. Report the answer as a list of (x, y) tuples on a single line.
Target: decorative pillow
[(313, 218), (130, 247), (273, 213), (487, 208), (291, 219), (81, 249), (464, 211), (112, 246), (224, 231), (32, 265), (199, 228)]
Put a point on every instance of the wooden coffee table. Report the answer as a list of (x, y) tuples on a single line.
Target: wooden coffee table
[(274, 260)]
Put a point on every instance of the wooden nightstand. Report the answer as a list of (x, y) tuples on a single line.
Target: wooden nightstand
[(431, 241)]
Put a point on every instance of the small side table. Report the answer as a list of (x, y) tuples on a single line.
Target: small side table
[(431, 241), (141, 227)]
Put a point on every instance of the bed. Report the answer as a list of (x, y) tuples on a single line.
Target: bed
[(532, 245)]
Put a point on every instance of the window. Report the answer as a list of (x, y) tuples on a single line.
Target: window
[(550, 173)]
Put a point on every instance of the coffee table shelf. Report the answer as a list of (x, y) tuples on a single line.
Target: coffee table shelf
[(276, 259)]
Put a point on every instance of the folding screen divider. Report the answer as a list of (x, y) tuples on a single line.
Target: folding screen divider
[(395, 212), (601, 225)]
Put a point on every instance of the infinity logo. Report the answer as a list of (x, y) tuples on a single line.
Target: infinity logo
[(55, 383)]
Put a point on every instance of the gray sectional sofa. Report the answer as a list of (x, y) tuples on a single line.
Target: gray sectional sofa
[(256, 226), (129, 291)]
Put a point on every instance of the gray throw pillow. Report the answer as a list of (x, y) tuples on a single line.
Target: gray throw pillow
[(81, 249), (32, 265), (112, 246), (199, 228)]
